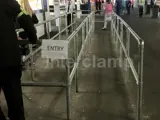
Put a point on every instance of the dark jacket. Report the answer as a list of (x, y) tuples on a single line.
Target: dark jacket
[(9, 47), (18, 26), (128, 3)]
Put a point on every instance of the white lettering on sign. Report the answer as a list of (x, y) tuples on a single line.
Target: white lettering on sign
[(55, 49)]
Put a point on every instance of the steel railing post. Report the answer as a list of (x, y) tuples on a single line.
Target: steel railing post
[(128, 42), (121, 52), (93, 19), (86, 26), (77, 52), (116, 30), (68, 91), (59, 27), (66, 24), (83, 37), (112, 27), (31, 64), (71, 20), (128, 53), (68, 86), (140, 84), (47, 29)]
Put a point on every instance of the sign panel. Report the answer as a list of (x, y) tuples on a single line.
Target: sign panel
[(55, 49)]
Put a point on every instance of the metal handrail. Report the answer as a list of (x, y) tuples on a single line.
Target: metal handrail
[(49, 20), (46, 21), (69, 38), (139, 40), (75, 31), (70, 73), (135, 73), (63, 30), (117, 35)]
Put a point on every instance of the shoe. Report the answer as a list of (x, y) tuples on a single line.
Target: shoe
[(103, 28)]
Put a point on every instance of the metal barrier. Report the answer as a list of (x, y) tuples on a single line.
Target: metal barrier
[(129, 48), (84, 30), (131, 60), (61, 30)]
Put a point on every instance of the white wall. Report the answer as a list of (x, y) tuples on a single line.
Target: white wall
[(40, 29)]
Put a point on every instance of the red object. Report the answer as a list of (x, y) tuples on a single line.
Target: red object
[(92, 1), (132, 2)]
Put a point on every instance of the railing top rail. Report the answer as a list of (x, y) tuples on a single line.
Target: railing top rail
[(139, 40), (54, 18), (69, 38), (79, 27), (46, 21)]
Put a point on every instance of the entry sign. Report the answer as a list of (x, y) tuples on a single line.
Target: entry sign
[(55, 49)]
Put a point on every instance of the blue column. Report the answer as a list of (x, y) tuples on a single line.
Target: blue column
[(89, 6)]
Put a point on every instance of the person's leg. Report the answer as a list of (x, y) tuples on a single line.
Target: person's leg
[(69, 21), (117, 11), (96, 7), (99, 7), (140, 11), (72, 19), (129, 10), (13, 93), (105, 22)]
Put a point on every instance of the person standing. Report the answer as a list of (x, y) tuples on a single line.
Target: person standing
[(128, 6), (123, 7), (132, 4), (108, 7), (22, 35), (70, 6), (141, 4), (10, 62), (26, 6), (118, 6), (98, 6)]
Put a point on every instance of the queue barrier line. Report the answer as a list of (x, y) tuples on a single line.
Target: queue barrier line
[(117, 25), (124, 47), (87, 23)]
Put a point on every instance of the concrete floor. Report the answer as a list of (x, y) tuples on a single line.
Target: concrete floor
[(149, 30), (101, 96)]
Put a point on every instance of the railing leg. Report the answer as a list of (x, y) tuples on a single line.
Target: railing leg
[(59, 28), (72, 21), (128, 53), (31, 64), (68, 91), (66, 25), (140, 84), (77, 71), (121, 51), (48, 31)]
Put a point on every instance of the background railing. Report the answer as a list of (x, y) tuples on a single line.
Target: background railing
[(129, 48)]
